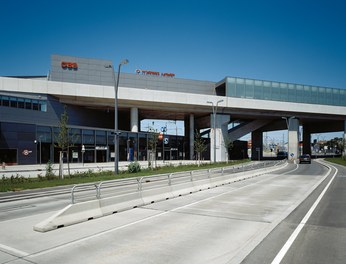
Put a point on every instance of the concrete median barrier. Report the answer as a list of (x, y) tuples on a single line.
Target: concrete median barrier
[(84, 211), (184, 188), (115, 204), (157, 194), (71, 214)]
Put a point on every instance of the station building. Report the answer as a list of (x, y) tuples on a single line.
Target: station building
[(29, 121), (31, 107)]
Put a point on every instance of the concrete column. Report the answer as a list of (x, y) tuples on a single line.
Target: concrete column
[(220, 136), (257, 145), (134, 119), (192, 135), (293, 138)]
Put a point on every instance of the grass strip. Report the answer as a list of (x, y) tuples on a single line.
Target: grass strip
[(19, 183)]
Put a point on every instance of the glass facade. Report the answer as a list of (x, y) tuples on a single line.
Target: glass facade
[(24, 103), (41, 141), (286, 92)]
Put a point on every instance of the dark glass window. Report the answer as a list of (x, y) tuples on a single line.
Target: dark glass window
[(101, 137), (75, 136), (44, 134), (88, 136), (35, 105), (13, 102), (5, 101), (20, 102), (28, 104), (110, 135)]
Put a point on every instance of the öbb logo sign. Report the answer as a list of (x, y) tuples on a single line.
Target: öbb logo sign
[(69, 65)]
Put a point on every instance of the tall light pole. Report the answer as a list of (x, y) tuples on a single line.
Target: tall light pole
[(214, 123), (40, 148), (116, 132)]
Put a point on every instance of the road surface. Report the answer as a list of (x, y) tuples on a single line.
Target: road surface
[(247, 221)]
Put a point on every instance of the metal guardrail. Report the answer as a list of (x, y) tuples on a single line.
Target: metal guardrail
[(98, 190)]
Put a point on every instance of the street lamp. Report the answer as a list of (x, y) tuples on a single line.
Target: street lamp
[(214, 123), (83, 151), (40, 148), (116, 132)]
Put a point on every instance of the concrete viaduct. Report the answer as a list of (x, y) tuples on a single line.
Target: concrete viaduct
[(173, 100)]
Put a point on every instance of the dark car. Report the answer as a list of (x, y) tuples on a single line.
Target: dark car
[(305, 158), (282, 155)]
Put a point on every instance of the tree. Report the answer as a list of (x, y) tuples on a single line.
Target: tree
[(200, 146), (342, 146), (228, 146), (63, 141), (153, 138)]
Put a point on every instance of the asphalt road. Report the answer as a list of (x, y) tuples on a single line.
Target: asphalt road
[(322, 239), (247, 219)]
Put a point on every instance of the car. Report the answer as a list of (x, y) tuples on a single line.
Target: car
[(305, 158), (282, 155)]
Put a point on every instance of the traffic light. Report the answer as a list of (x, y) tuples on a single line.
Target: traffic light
[(160, 136)]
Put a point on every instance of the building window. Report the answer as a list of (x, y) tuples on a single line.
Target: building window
[(42, 106), (13, 102), (5, 101), (23, 103), (88, 137), (20, 102)]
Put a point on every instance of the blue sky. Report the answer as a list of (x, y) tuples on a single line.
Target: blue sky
[(289, 40)]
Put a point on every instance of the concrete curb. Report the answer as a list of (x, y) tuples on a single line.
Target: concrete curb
[(84, 211)]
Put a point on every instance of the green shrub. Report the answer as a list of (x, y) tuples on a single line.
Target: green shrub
[(134, 167), (49, 171)]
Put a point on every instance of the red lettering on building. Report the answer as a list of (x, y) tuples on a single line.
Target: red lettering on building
[(168, 74), (69, 65), (155, 73)]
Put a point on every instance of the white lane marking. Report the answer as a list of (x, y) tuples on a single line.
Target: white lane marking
[(43, 252), (296, 232), (13, 250), (297, 167)]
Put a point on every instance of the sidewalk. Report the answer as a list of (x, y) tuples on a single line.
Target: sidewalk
[(34, 170)]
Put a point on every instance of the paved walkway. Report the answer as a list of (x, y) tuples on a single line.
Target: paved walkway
[(37, 169)]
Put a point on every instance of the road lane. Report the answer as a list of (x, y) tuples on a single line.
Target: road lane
[(212, 226), (322, 239), (31, 202)]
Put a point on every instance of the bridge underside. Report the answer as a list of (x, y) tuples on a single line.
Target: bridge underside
[(254, 122)]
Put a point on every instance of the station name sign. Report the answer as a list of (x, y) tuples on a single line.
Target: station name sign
[(155, 73), (69, 65)]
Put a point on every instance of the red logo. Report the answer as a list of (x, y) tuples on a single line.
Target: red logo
[(69, 65), (26, 152)]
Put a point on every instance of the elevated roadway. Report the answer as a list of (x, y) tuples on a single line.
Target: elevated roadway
[(188, 100)]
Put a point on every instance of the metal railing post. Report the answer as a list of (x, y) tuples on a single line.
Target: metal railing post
[(170, 179), (98, 190), (72, 194)]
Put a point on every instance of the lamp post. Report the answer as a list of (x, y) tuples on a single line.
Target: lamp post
[(83, 151), (40, 148), (116, 132), (214, 123)]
